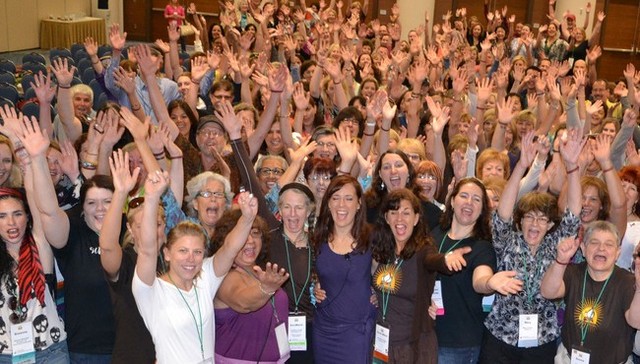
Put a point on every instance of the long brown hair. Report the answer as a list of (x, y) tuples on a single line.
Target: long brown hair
[(383, 241), (325, 224), (482, 227)]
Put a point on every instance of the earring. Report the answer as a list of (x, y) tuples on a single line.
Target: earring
[(382, 185)]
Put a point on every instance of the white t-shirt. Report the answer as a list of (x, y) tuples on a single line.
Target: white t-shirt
[(171, 323), (629, 241)]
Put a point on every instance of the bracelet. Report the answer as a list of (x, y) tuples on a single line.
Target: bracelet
[(370, 124), (383, 129), (343, 172), (366, 134), (263, 291), (276, 91), (194, 81), (607, 170), (559, 262), (18, 150), (96, 62), (89, 153), (573, 170), (171, 157), (64, 87), (159, 158), (539, 93), (88, 165), (337, 83), (135, 108), (481, 107)]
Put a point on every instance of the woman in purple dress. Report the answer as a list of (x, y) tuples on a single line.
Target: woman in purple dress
[(344, 321)]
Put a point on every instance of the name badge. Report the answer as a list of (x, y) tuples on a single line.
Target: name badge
[(381, 345), (283, 342), (22, 343), (580, 355), (527, 331), (487, 302), (297, 332), (437, 297)]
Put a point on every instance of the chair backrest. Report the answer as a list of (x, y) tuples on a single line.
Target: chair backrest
[(100, 101), (76, 81), (80, 54), (7, 66), (9, 92), (29, 94), (76, 47), (103, 50), (34, 67), (88, 75), (59, 52), (6, 102), (34, 57), (7, 77), (26, 81), (97, 89), (30, 109), (84, 64)]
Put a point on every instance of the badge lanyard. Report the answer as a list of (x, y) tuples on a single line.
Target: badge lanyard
[(198, 328), (529, 283), (273, 300), (296, 298), (453, 246), (386, 292), (584, 327)]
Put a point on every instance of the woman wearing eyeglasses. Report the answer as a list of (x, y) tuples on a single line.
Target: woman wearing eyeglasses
[(29, 322), (133, 342), (524, 327)]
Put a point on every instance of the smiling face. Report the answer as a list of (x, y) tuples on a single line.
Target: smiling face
[(81, 104), (402, 221), (492, 168), (210, 136), (344, 204), (467, 204), (54, 158), (274, 140), (591, 204), (394, 172), (535, 226), (184, 83), (295, 210), (185, 256), (95, 206), (609, 129), (318, 183), (601, 251), (210, 209), (368, 89), (247, 256), (631, 193), (13, 221), (181, 120), (135, 161), (269, 173), (6, 163), (326, 147), (428, 184)]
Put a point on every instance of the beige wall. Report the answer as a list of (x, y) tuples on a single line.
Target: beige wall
[(577, 7), (23, 31)]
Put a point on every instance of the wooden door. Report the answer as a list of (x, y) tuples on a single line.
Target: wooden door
[(476, 8), (137, 19), (620, 39)]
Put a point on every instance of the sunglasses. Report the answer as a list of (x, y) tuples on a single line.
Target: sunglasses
[(136, 202)]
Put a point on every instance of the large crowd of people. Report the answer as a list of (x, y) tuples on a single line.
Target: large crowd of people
[(306, 186)]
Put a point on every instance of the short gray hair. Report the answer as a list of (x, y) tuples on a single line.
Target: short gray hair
[(600, 225), (197, 183), (261, 160)]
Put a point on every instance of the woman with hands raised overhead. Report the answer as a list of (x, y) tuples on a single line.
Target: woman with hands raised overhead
[(526, 252)]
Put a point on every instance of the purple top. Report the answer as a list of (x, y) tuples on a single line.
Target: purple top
[(242, 335)]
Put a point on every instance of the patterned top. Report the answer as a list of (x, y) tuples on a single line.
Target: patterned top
[(513, 253), (556, 50)]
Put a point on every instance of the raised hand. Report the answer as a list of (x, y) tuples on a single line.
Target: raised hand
[(90, 46), (69, 163), (567, 248), (571, 147), (112, 129), (44, 91), (145, 63), (138, 129), (157, 182), (601, 149), (116, 38), (505, 113), (346, 148), (64, 74), (33, 140), (123, 180), (300, 97), (271, 278), (248, 205), (123, 81), (229, 119), (528, 150)]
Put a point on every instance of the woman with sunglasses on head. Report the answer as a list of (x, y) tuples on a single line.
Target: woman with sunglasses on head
[(31, 327), (133, 341), (189, 286), (523, 327)]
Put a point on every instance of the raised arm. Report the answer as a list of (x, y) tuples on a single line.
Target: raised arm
[(124, 182), (570, 150), (45, 93), (71, 124), (618, 206), (54, 221), (155, 185), (552, 286), (509, 194)]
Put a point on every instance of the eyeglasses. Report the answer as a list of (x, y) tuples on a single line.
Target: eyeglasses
[(209, 194), (222, 97), (211, 133), (351, 121), (413, 156), (318, 177), (274, 171), (529, 218), (136, 202), (328, 145), (430, 177), (256, 233)]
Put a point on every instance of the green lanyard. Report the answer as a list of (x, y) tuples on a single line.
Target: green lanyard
[(529, 283), (198, 328), (584, 327), (296, 298), (386, 292), (453, 246)]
